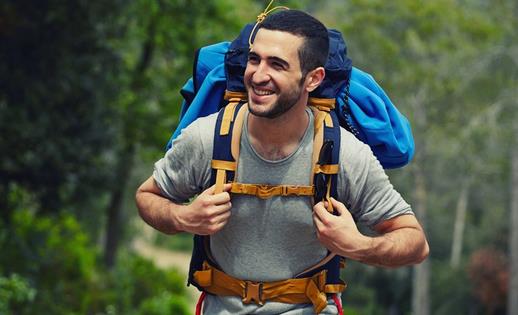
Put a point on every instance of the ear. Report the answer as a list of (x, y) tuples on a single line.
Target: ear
[(314, 78)]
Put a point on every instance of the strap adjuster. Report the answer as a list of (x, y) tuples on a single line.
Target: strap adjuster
[(265, 191), (253, 291)]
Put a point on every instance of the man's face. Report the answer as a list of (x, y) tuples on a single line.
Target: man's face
[(273, 77)]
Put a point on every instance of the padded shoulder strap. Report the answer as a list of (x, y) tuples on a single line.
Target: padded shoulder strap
[(227, 136), (326, 151)]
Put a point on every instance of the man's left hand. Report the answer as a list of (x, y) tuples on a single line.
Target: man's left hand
[(338, 233)]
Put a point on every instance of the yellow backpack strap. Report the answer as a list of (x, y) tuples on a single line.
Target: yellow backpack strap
[(308, 290), (221, 166), (228, 118), (322, 118), (264, 191), (236, 132), (323, 104), (232, 96)]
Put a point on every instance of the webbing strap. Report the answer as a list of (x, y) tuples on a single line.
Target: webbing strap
[(221, 168), (221, 179), (294, 291), (318, 135), (328, 121), (236, 134), (223, 165), (267, 191), (326, 169), (323, 104), (321, 118), (329, 207), (235, 96), (228, 117)]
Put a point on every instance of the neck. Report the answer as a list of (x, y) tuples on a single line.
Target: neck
[(277, 138)]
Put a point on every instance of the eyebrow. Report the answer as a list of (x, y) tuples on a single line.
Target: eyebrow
[(272, 58)]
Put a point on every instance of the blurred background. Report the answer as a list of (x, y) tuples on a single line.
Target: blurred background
[(89, 95)]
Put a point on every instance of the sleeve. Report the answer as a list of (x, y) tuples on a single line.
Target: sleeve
[(364, 187), (185, 170)]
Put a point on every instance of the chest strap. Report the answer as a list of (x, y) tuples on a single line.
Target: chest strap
[(311, 290), (266, 191)]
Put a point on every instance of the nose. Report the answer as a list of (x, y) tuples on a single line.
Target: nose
[(260, 74)]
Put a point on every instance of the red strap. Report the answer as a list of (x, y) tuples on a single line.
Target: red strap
[(200, 303), (338, 304)]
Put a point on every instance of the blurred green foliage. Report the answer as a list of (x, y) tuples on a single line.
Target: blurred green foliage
[(62, 274), (14, 293), (89, 97)]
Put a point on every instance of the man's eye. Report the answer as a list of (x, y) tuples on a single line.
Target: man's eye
[(252, 59), (278, 65)]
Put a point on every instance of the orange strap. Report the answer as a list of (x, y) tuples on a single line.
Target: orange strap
[(326, 169), (294, 291), (221, 168), (323, 104), (228, 118), (267, 191), (235, 96)]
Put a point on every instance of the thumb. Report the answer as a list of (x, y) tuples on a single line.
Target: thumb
[(338, 206), (227, 187)]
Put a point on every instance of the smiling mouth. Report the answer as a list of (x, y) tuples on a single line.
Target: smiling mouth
[(262, 92)]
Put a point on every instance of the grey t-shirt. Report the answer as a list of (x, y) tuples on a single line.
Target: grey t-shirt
[(274, 239)]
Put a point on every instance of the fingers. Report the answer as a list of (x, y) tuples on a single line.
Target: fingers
[(321, 213), (338, 206), (220, 209), (211, 190), (222, 218), (318, 223), (216, 223), (217, 199)]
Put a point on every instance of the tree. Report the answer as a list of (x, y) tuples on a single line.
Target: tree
[(166, 37), (55, 116)]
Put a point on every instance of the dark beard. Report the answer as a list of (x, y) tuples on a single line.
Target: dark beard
[(284, 104)]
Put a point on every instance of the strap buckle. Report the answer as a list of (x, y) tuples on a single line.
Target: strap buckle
[(253, 291), (265, 191)]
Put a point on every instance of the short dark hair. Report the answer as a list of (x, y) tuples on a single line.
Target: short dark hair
[(313, 52)]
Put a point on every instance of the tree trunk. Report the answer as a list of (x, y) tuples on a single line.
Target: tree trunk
[(421, 279), (460, 222), (127, 154), (512, 298), (113, 224)]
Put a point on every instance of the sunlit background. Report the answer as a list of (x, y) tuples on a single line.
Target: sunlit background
[(89, 95)]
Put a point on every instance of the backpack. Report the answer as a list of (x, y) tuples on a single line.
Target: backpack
[(347, 97), (362, 106)]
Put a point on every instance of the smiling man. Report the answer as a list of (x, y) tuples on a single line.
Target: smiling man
[(261, 244)]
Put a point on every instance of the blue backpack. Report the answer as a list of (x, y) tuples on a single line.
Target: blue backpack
[(347, 97), (362, 106)]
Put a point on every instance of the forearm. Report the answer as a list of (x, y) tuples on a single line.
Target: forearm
[(206, 214), (401, 247), (156, 210)]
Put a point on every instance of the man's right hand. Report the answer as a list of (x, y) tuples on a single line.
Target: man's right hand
[(207, 214)]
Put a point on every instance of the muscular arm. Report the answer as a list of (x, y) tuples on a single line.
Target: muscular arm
[(207, 214), (401, 241)]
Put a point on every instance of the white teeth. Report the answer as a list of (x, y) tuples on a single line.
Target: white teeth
[(262, 92)]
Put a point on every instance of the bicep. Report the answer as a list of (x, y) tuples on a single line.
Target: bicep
[(149, 186), (396, 223)]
